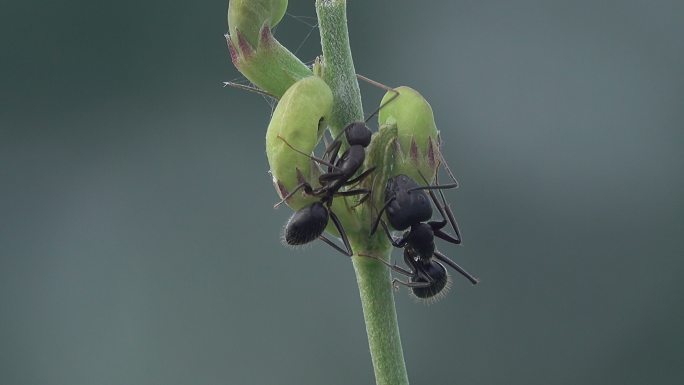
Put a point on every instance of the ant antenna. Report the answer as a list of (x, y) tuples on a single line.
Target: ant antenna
[(318, 160), (379, 85), (249, 88)]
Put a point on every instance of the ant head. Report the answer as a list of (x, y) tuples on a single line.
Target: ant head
[(306, 225), (357, 133), (408, 207), (435, 273)]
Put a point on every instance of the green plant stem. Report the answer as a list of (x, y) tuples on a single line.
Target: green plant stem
[(373, 277), (338, 66), (377, 299)]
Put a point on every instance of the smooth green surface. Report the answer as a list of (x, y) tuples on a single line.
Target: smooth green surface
[(296, 120), (138, 244)]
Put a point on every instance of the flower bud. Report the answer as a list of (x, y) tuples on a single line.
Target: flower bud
[(298, 119), (253, 49), (249, 16), (416, 148)]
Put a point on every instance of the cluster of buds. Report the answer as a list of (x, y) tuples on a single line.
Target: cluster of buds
[(407, 141), (254, 50)]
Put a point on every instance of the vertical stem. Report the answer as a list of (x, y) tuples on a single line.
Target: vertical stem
[(379, 313), (373, 278), (338, 66)]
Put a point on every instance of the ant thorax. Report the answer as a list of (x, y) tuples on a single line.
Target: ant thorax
[(422, 239)]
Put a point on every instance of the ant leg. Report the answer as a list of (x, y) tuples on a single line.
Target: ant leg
[(365, 198), (334, 246), (434, 187), (376, 222), (334, 149), (413, 284), (379, 85), (445, 165), (361, 177), (456, 267), (249, 88), (321, 161), (396, 242), (328, 176), (394, 266), (376, 83), (340, 229), (445, 208), (349, 193), (445, 236), (307, 189)]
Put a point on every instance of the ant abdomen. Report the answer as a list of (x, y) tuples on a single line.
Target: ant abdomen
[(438, 277), (306, 224)]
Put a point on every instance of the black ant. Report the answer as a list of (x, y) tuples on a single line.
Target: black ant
[(407, 206), (309, 223)]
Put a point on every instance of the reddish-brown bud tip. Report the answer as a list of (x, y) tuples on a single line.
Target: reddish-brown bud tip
[(265, 36), (414, 149), (300, 176), (245, 48), (233, 51), (432, 153), (282, 191)]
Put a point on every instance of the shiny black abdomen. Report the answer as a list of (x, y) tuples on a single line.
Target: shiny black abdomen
[(306, 224)]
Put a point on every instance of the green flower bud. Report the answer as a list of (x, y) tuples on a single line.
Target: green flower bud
[(249, 16), (298, 119), (416, 148), (253, 49)]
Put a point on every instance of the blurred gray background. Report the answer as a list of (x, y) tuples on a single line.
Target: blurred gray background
[(138, 244)]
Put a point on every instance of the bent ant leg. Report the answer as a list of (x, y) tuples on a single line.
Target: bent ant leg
[(307, 189), (444, 236), (377, 220), (361, 177), (444, 210), (456, 267), (321, 161), (379, 85), (361, 191), (444, 163), (340, 229), (332, 149), (334, 246), (396, 242), (449, 214), (392, 266)]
